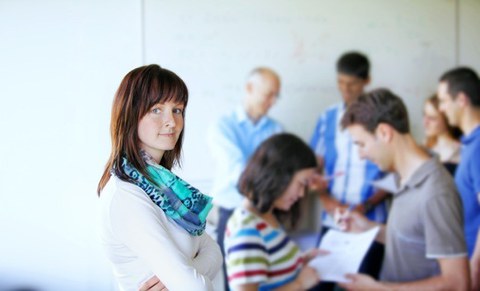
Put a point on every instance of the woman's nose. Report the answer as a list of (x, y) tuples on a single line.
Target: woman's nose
[(169, 120)]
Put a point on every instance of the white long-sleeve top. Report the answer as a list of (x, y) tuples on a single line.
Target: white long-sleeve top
[(140, 241)]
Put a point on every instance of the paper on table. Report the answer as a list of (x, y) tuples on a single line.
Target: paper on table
[(346, 252)]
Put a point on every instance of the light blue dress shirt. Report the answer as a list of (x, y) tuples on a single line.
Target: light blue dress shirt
[(232, 141), (340, 154)]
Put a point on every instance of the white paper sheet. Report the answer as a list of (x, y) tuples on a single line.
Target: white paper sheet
[(346, 254)]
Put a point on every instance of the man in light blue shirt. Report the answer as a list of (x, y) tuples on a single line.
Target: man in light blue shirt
[(234, 138)]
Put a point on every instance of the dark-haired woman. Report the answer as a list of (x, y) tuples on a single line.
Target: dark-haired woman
[(153, 222), (259, 253)]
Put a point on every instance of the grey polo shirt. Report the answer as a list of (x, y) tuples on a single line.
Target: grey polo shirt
[(425, 224)]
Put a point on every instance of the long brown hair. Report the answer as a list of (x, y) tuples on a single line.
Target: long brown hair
[(139, 90), (453, 131)]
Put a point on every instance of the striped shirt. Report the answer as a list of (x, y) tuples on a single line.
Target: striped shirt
[(340, 154), (255, 252)]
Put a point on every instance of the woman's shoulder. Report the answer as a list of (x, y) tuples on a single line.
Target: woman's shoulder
[(454, 156), (244, 223), (241, 217), (123, 202), (119, 194), (116, 186)]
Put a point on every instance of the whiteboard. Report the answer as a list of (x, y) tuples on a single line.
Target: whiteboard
[(213, 45)]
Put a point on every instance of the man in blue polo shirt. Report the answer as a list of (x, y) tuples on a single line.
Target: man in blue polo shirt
[(459, 95), (350, 186)]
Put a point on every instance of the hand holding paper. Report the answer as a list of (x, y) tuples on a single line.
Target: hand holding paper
[(347, 251), (312, 254), (351, 221)]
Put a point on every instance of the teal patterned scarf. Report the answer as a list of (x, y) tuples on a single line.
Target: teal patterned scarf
[(184, 204)]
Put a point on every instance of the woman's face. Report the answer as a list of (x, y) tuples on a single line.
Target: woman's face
[(433, 121), (160, 128), (295, 190)]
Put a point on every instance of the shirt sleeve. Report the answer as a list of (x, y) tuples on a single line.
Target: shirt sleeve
[(137, 224), (317, 142), (227, 152), (443, 224), (209, 258), (246, 257), (475, 171)]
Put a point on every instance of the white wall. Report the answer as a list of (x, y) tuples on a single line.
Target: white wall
[(214, 44), (469, 36), (61, 62)]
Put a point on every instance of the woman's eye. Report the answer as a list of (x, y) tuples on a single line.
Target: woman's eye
[(156, 110), (178, 111)]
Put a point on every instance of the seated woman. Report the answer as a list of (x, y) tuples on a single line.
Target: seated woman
[(259, 254), (441, 138)]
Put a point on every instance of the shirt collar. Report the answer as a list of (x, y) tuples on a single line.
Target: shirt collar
[(420, 174), (243, 117), (466, 139)]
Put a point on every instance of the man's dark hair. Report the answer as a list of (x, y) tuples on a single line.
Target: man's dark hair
[(463, 80), (375, 107), (354, 64), (271, 169)]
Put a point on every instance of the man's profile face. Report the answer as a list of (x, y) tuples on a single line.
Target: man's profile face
[(350, 87), (264, 93), (448, 105), (370, 147)]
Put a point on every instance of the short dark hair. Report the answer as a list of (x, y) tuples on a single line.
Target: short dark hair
[(271, 169), (463, 80), (375, 107), (354, 64)]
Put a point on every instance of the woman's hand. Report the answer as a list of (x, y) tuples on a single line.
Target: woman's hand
[(361, 282), (307, 278), (153, 284), (351, 221), (317, 182), (313, 253)]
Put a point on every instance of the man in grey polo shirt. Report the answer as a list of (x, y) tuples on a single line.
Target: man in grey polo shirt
[(424, 242)]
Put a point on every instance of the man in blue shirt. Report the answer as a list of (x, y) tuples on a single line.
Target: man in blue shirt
[(459, 95), (350, 186), (234, 138)]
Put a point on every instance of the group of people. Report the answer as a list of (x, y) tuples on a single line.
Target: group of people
[(153, 222)]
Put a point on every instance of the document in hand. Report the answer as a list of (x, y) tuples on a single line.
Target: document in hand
[(346, 252)]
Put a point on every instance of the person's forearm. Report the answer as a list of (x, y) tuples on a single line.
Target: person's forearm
[(209, 258), (292, 286), (434, 283), (377, 198), (329, 203), (475, 265), (454, 276), (476, 251)]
